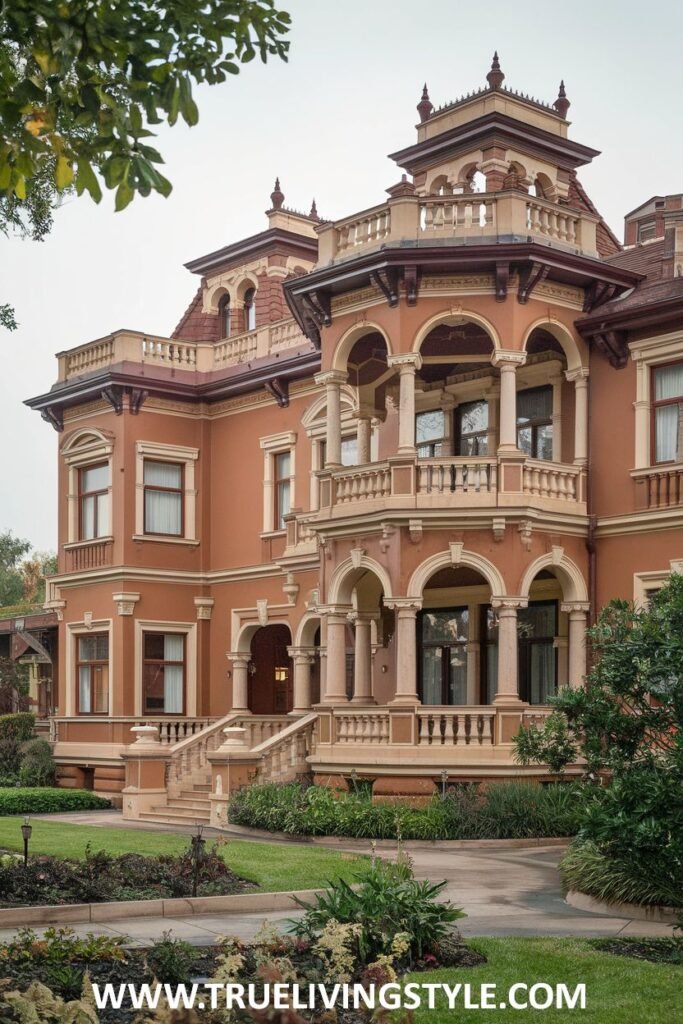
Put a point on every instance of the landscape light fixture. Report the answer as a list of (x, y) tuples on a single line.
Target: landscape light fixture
[(197, 849), (444, 782), (26, 830)]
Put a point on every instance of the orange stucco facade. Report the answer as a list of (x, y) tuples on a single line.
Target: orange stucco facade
[(360, 508)]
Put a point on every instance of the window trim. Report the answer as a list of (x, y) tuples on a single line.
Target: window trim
[(92, 494), (658, 403), (156, 661), (272, 445), (278, 515), (74, 630), (97, 662), (647, 354), (535, 424), (86, 448), (189, 631), (171, 453), (485, 434), (164, 490)]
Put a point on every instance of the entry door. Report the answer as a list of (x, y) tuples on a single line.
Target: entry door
[(442, 643)]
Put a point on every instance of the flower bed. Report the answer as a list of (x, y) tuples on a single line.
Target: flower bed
[(101, 878), (497, 811)]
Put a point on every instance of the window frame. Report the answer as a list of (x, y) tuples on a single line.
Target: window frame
[(658, 403), (534, 425), (437, 441), (106, 491), (156, 451), (180, 491), (479, 434), (249, 306), (78, 664), (225, 316), (271, 446), (278, 522), (445, 661), (155, 661)]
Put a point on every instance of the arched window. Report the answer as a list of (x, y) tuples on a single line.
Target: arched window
[(224, 313), (249, 310)]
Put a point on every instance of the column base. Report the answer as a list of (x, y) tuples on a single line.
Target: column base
[(362, 700), (509, 700), (406, 699), (240, 711), (299, 711), (333, 699)]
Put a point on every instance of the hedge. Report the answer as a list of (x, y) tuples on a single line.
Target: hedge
[(515, 810), (48, 801), (19, 727)]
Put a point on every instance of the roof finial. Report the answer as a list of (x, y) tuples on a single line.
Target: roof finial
[(495, 77), (425, 106), (562, 104), (314, 211), (277, 197)]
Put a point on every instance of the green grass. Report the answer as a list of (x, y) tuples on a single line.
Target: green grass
[(274, 867), (618, 990)]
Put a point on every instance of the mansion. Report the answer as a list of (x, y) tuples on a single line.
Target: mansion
[(360, 507)]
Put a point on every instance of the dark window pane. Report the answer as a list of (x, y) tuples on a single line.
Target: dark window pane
[(445, 627), (154, 646), (429, 426)]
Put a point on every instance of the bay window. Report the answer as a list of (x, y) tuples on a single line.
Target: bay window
[(163, 498), (93, 501), (163, 674), (92, 674), (667, 406)]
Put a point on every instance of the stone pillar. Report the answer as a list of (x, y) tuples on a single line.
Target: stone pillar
[(408, 364), (362, 660), (508, 360), (448, 404), (302, 660), (335, 681), (557, 418), (577, 643), (507, 691), (240, 682), (406, 650), (332, 380), (580, 378), (363, 435)]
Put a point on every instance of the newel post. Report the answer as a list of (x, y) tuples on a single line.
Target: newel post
[(233, 766), (145, 763)]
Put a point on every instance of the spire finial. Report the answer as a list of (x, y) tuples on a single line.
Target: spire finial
[(562, 104), (314, 211), (425, 106), (277, 196), (495, 77)]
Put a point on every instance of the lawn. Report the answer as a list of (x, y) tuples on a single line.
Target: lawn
[(275, 867), (619, 990)]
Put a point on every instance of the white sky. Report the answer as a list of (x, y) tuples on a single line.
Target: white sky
[(324, 123)]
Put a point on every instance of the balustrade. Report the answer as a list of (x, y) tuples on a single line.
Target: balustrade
[(663, 488), (450, 476), (551, 221), (458, 215), (364, 484), (362, 727), (455, 726), (88, 556), (368, 228), (550, 480)]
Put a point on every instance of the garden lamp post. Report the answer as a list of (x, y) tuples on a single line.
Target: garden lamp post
[(197, 851), (26, 830)]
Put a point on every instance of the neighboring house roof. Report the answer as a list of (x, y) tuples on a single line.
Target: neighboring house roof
[(195, 324), (644, 259)]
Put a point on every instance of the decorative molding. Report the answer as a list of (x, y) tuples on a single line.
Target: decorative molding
[(262, 611), (125, 602), (455, 548), (557, 553), (290, 588), (498, 526), (525, 531), (357, 556), (415, 530), (204, 606)]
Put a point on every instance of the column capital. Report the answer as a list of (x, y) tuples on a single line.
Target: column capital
[(304, 655), (508, 358), (364, 411), (331, 377), (406, 361), (355, 617), (580, 607), (579, 376), (407, 605), (236, 657), (509, 603)]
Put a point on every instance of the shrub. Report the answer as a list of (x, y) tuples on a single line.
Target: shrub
[(498, 811), (585, 868), (15, 730), (387, 902), (49, 801), (171, 961), (37, 764)]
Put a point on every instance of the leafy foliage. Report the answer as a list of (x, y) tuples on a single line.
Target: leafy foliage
[(386, 902), (586, 869), (80, 83), (627, 725), (171, 961), (22, 571), (49, 801), (497, 811), (15, 729), (37, 766)]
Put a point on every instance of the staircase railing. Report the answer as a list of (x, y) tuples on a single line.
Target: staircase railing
[(283, 757)]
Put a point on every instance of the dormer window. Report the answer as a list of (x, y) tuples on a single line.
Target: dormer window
[(646, 231), (224, 314), (249, 310)]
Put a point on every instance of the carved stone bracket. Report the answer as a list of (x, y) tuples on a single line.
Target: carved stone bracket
[(385, 540), (136, 397), (597, 293), (411, 282), (498, 525), (114, 395), (415, 530), (279, 389), (290, 589), (525, 531), (502, 278), (54, 415), (319, 304), (125, 603), (204, 606), (613, 345)]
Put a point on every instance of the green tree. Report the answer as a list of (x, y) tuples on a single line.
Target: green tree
[(82, 81), (627, 727), (12, 551)]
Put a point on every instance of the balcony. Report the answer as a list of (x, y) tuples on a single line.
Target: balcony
[(658, 487), (408, 483), (193, 357), (485, 217)]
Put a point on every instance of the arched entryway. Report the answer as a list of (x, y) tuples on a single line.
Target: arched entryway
[(271, 677)]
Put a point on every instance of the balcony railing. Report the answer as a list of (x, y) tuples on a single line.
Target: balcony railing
[(450, 482), (487, 215), (176, 354), (659, 487)]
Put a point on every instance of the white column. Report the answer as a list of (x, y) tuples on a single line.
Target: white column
[(642, 411), (363, 435), (557, 418), (580, 378), (406, 651), (240, 682), (507, 361), (335, 682), (332, 380), (577, 643), (362, 660), (507, 690), (302, 660), (408, 364), (448, 404)]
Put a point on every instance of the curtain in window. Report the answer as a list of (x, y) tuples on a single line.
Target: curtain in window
[(535, 404), (669, 382), (88, 518), (431, 675), (103, 528), (666, 431), (84, 705), (163, 512), (173, 674), (542, 671)]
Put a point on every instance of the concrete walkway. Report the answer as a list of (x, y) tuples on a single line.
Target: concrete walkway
[(503, 891)]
